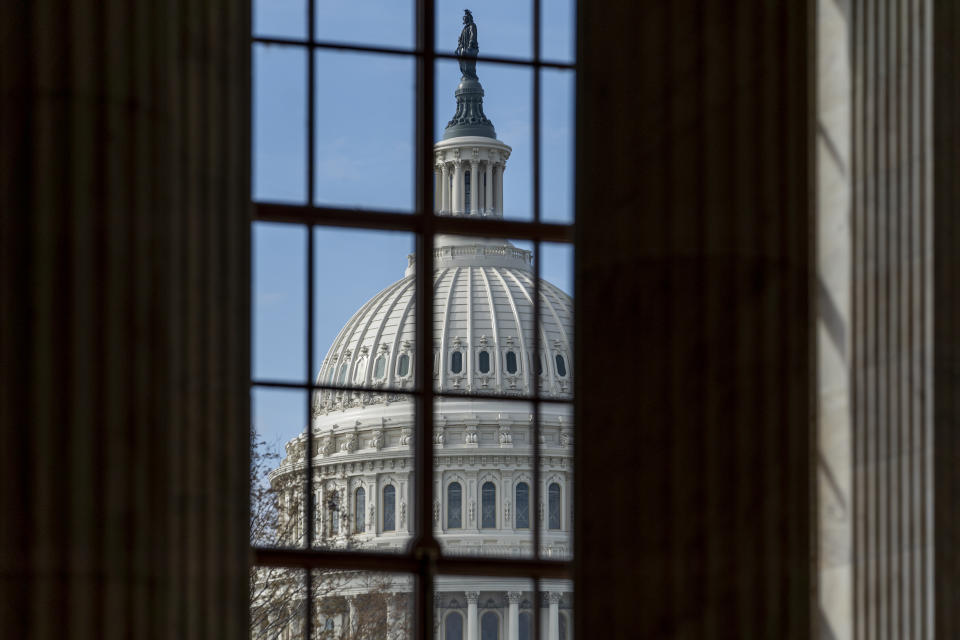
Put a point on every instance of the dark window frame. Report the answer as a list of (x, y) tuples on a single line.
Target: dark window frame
[(423, 558)]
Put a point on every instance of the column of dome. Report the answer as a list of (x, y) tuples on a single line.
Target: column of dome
[(483, 160)]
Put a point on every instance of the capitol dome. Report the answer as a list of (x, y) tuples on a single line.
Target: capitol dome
[(483, 331)]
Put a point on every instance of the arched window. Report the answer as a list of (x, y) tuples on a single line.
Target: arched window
[(538, 365), (328, 625), (453, 627), (526, 626), (389, 508), (454, 506), (553, 504), (466, 190), (359, 507), (483, 362), (561, 366), (488, 506), (490, 626), (511, 362), (456, 362), (523, 506), (563, 626), (379, 367), (343, 373), (335, 516), (403, 365)]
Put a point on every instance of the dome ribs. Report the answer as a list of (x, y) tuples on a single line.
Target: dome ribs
[(518, 324), (443, 335), (493, 316)]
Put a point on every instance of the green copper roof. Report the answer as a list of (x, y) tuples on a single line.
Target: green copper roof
[(469, 119)]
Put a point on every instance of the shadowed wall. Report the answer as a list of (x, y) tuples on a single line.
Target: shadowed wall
[(124, 232), (695, 244)]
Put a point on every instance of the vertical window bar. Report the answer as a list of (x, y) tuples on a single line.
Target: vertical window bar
[(537, 347), (308, 499), (424, 542)]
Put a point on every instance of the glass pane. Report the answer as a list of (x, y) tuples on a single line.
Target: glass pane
[(558, 30), (364, 470), (556, 315), (482, 455), (364, 325), (277, 603), (279, 124), (499, 608), (279, 301), (360, 604), (280, 18), (556, 145), (380, 23), (483, 316), (555, 503), (504, 28), (364, 130), (277, 474), (499, 153)]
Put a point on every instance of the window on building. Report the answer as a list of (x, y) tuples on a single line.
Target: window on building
[(525, 626), (562, 624), (488, 508), (359, 509), (453, 626), (489, 626), (511, 362), (389, 508), (343, 373), (466, 191), (360, 371), (454, 506), (553, 504), (561, 366), (456, 362), (483, 362), (379, 367), (403, 365), (523, 506)]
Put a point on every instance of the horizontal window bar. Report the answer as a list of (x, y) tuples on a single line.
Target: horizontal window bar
[(387, 220), (344, 46), (280, 384), (408, 563)]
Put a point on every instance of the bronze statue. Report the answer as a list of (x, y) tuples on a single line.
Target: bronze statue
[(467, 48)]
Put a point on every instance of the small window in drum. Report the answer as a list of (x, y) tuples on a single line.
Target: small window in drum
[(561, 366), (456, 362), (483, 362), (343, 373), (511, 362), (403, 365)]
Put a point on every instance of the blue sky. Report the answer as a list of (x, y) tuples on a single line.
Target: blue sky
[(364, 143)]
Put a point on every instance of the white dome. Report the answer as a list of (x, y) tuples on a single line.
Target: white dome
[(483, 315)]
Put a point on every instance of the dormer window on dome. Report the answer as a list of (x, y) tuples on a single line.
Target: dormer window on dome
[(511, 362), (483, 362), (403, 365)]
